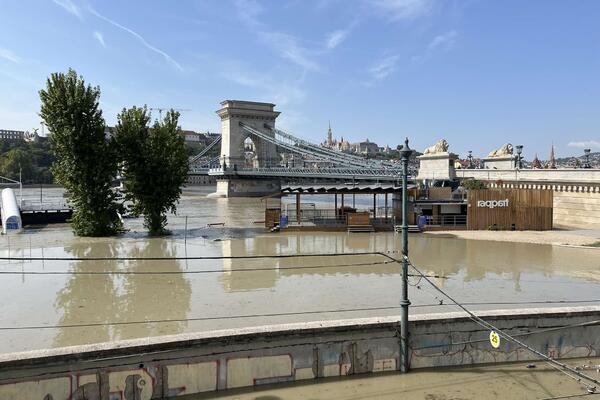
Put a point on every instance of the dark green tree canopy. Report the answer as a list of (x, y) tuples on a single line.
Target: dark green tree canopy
[(154, 164), (15, 164), (85, 159), (30, 161), (473, 184)]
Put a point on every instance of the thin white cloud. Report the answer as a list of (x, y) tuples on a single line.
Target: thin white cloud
[(288, 48), (398, 10), (384, 67), (70, 7), (139, 37), (8, 55), (335, 38), (286, 45), (321, 4), (586, 144), (278, 90), (98, 36), (248, 11), (444, 41)]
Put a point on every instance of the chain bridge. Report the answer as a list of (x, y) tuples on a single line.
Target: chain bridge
[(255, 157)]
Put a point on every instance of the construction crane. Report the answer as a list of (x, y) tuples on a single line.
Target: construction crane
[(161, 109)]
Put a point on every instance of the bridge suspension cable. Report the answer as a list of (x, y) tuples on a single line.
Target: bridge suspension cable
[(282, 144), (206, 150), (314, 151), (350, 158)]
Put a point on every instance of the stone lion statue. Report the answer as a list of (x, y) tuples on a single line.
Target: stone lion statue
[(440, 147), (505, 150)]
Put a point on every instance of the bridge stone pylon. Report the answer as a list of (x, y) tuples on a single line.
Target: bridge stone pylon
[(256, 115)]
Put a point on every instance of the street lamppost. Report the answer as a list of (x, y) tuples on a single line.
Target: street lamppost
[(587, 158), (470, 158), (519, 158), (405, 153)]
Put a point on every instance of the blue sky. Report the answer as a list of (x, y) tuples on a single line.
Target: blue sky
[(476, 72)]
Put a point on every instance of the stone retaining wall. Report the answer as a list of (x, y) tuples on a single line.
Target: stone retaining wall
[(172, 366)]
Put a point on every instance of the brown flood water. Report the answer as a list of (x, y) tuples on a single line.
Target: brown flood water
[(196, 295), (505, 381)]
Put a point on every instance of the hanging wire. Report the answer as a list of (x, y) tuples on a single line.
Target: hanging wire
[(201, 271), (222, 317), (250, 257), (561, 366)]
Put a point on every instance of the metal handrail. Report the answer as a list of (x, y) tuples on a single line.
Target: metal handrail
[(446, 220)]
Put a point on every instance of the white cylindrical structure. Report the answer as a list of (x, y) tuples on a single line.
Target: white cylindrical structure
[(11, 215)]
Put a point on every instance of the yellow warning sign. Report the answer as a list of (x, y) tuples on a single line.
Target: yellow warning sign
[(494, 339)]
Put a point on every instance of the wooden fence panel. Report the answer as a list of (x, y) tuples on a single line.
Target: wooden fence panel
[(272, 216), (510, 209), (440, 193), (359, 218)]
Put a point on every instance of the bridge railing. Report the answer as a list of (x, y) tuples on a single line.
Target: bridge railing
[(387, 172), (316, 216), (29, 205), (320, 216)]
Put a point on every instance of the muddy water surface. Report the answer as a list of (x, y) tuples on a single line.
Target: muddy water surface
[(66, 302)]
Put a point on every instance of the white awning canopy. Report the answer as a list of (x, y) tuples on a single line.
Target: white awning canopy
[(11, 215)]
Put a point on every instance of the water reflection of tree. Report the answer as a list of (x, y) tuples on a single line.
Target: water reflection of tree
[(234, 280), (154, 297), (104, 299), (88, 299), (238, 274)]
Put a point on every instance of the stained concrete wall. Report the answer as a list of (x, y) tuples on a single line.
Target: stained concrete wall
[(577, 210), (232, 187), (172, 366), (201, 180)]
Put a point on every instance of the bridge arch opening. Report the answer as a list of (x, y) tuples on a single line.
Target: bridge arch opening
[(250, 153)]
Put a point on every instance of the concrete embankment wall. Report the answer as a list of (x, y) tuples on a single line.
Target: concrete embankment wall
[(561, 176), (577, 210), (172, 366)]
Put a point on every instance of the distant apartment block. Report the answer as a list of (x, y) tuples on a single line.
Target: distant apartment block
[(13, 136), (6, 134), (198, 137)]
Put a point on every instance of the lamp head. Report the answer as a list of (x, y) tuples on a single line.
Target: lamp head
[(405, 151), (519, 148)]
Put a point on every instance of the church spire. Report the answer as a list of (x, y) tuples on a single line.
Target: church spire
[(536, 164), (552, 158), (329, 135)]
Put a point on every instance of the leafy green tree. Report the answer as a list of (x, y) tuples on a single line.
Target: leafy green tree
[(15, 164), (154, 164), (33, 159), (86, 161), (473, 184), (194, 148)]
